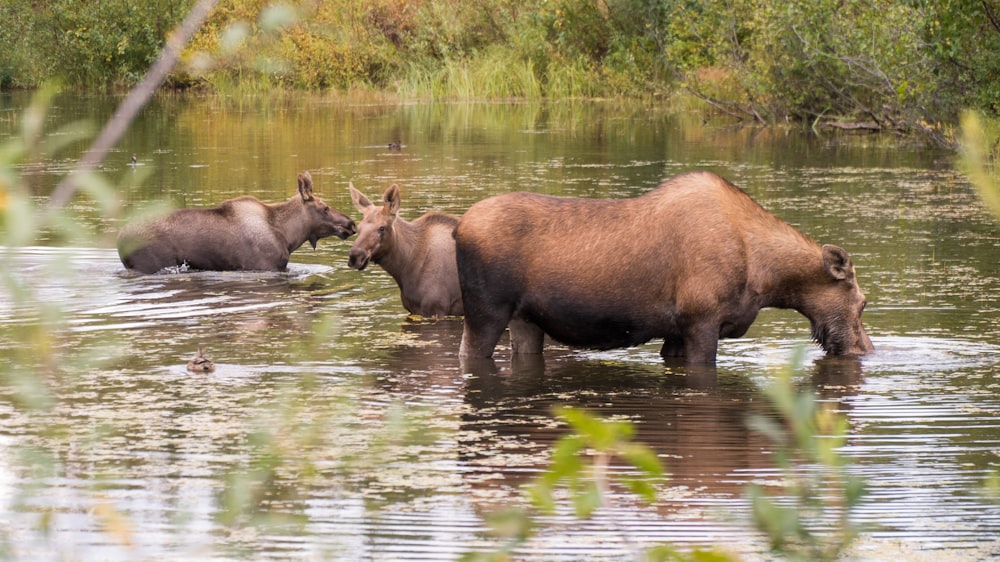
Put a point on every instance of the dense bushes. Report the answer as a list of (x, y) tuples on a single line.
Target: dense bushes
[(885, 64), (88, 44)]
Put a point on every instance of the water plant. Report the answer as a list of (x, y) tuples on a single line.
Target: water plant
[(579, 466), (808, 516)]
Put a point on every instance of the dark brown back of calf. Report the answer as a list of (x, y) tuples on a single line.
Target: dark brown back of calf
[(690, 262)]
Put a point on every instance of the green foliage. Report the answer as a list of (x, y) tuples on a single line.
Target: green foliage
[(87, 44), (588, 482), (978, 157), (963, 37), (811, 518), (579, 465), (902, 66), (806, 58), (23, 223)]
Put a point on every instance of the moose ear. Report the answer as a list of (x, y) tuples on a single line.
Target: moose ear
[(306, 186), (391, 199), (837, 262), (361, 203)]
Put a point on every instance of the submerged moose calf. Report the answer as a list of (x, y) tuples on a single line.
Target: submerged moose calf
[(419, 255), (239, 234), (691, 262)]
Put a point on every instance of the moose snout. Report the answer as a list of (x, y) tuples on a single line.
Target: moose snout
[(864, 345), (347, 230), (358, 259)]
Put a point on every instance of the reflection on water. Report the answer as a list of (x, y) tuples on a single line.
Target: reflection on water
[(136, 439)]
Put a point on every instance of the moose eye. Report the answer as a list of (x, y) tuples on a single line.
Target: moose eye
[(381, 229)]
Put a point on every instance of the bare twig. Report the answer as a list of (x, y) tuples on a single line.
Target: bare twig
[(730, 108), (992, 17), (133, 103)]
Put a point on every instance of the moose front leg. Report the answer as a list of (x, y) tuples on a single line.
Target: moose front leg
[(525, 337)]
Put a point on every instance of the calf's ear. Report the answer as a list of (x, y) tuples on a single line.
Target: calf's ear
[(306, 186), (837, 262), (391, 199), (361, 203)]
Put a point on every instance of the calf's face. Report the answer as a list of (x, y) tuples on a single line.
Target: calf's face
[(321, 219), (836, 307), (375, 229)]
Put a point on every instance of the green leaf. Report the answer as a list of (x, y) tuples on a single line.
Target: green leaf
[(511, 523), (642, 488), (587, 500), (541, 497), (644, 459)]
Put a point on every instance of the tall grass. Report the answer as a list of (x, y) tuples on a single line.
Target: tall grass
[(494, 75)]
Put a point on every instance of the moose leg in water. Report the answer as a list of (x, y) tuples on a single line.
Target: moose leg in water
[(690, 262), (239, 234)]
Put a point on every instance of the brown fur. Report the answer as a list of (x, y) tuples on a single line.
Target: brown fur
[(239, 234), (691, 262), (419, 255)]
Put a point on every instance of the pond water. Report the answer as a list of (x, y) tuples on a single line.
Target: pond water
[(335, 427)]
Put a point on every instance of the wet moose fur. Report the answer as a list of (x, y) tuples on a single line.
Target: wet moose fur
[(419, 255), (691, 262), (239, 234)]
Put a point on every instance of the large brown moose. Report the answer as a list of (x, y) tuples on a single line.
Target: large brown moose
[(419, 255), (239, 234), (691, 262)]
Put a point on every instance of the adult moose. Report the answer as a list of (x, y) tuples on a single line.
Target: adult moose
[(691, 262), (419, 255), (239, 234)]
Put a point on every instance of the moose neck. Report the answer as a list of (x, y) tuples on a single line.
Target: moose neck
[(289, 219), (784, 268), (400, 257)]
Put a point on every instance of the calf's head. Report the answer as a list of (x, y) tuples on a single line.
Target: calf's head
[(835, 307), (375, 229), (321, 220)]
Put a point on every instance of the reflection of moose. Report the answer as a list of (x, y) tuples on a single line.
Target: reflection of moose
[(419, 255), (239, 234), (694, 419), (691, 262), (700, 433), (694, 416)]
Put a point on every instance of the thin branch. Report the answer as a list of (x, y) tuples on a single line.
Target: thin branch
[(991, 16), (728, 107), (134, 102)]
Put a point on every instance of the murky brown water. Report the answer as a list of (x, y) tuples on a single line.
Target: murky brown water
[(387, 448)]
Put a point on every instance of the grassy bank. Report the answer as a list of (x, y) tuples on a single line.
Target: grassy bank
[(873, 65)]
